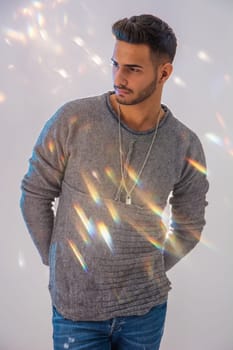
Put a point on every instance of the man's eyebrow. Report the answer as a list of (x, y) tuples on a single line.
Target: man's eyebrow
[(127, 65)]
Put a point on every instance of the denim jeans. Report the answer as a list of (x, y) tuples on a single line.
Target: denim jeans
[(120, 333)]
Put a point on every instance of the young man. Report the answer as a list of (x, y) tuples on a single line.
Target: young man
[(113, 161)]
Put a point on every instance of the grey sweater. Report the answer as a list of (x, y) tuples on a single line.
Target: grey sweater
[(107, 258)]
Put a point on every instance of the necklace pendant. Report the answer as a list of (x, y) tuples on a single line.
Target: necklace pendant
[(128, 200)]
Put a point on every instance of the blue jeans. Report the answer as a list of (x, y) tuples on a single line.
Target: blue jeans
[(120, 333)]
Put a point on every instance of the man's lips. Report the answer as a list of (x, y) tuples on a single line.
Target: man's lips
[(121, 91)]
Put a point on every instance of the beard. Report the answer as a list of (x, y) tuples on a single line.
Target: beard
[(141, 95)]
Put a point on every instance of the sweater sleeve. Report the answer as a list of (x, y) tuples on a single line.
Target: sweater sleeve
[(188, 202), (42, 183)]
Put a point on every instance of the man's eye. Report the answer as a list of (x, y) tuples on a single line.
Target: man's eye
[(114, 64), (134, 69)]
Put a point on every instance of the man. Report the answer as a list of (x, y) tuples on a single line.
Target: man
[(113, 161)]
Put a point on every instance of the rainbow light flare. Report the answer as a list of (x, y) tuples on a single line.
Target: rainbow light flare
[(40, 20), (32, 32), (37, 4), (103, 230), (86, 222), (73, 120), (225, 141), (149, 270), (77, 254), (83, 233), (220, 120), (27, 12), (92, 190), (51, 146), (146, 199), (214, 138), (16, 36), (147, 236), (153, 241), (62, 159), (176, 246), (113, 212), (133, 175), (231, 152), (110, 174), (155, 208), (197, 166)]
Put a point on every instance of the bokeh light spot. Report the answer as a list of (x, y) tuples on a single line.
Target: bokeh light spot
[(2, 97)]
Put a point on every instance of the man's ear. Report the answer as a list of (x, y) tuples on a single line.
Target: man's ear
[(165, 71)]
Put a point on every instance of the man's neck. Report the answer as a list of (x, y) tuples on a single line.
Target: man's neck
[(140, 117)]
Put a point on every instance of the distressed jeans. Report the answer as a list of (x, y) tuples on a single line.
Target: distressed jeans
[(120, 333)]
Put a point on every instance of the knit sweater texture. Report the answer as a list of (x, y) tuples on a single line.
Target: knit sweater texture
[(107, 258)]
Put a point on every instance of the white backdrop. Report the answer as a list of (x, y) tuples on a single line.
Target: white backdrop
[(57, 50)]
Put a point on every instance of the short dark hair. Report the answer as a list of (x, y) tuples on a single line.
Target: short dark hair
[(149, 30)]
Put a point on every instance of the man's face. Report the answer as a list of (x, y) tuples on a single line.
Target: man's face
[(134, 74)]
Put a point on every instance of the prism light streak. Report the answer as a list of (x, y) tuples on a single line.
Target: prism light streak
[(113, 212), (62, 72), (179, 82), (97, 60), (79, 41), (44, 34), (78, 255), (32, 32), (103, 230), (83, 234), (133, 176), (226, 140), (15, 35), (92, 190), (197, 166), (27, 12), (92, 55), (155, 208), (221, 120), (37, 22), (111, 175), (86, 222), (21, 260), (40, 20), (225, 143), (37, 4), (73, 120), (147, 236), (153, 241), (151, 204), (214, 138), (51, 146), (176, 246)]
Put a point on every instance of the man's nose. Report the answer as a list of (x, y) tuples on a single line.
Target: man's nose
[(120, 77)]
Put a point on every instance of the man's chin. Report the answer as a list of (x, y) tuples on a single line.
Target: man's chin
[(124, 100)]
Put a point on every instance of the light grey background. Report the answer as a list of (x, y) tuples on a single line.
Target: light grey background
[(57, 50)]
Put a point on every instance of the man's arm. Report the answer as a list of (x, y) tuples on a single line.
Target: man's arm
[(42, 183), (188, 204)]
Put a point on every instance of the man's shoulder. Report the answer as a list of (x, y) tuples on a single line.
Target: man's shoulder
[(84, 107), (181, 130), (88, 102)]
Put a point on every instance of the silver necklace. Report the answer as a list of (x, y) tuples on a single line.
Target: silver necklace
[(123, 164)]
